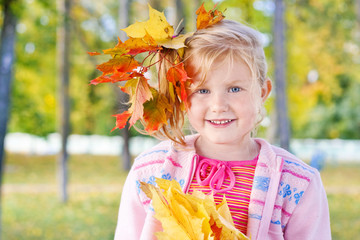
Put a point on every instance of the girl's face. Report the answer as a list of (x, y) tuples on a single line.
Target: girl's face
[(225, 108)]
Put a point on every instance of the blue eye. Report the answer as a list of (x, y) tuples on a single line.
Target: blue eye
[(234, 89), (203, 91)]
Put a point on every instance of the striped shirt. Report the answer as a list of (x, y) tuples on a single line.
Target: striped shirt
[(232, 179)]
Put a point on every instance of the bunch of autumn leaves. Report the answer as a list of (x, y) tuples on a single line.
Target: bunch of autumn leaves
[(190, 217), (152, 36)]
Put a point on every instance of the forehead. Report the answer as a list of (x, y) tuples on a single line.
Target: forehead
[(226, 71)]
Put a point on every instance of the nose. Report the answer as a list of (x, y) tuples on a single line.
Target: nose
[(218, 103)]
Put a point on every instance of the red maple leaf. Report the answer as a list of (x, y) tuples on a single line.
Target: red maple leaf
[(178, 77), (121, 120)]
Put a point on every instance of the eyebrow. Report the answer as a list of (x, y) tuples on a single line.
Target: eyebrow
[(236, 81)]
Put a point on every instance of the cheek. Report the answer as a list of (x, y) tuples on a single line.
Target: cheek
[(255, 100), (194, 105), (193, 121), (195, 113), (249, 109)]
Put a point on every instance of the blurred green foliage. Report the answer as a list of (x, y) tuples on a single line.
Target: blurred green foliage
[(323, 57)]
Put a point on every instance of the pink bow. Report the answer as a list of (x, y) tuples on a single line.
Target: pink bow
[(217, 175)]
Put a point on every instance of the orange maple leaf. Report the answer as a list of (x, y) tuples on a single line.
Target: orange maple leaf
[(155, 112), (116, 51), (116, 77), (101, 79), (116, 69), (139, 45), (178, 77), (134, 46), (119, 49), (205, 19), (139, 91), (123, 63), (121, 120)]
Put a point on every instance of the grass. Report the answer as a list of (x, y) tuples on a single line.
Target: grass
[(342, 183), (345, 216), (42, 216), (344, 175), (35, 211), (85, 169)]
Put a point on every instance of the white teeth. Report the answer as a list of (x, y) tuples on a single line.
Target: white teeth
[(220, 122)]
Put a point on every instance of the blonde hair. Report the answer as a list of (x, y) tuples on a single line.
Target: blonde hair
[(225, 41)]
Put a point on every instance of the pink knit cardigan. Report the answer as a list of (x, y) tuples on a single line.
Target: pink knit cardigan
[(288, 200)]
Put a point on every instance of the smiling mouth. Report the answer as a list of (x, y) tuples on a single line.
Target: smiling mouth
[(220, 122)]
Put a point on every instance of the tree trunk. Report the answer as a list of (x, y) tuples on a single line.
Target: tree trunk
[(63, 45), (124, 14), (124, 9), (126, 156), (125, 159), (180, 15), (7, 56), (280, 86)]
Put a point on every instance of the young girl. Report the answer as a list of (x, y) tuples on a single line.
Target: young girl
[(271, 193)]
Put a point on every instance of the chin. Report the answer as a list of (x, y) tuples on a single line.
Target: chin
[(223, 140)]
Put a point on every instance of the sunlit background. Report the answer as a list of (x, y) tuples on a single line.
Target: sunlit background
[(322, 86)]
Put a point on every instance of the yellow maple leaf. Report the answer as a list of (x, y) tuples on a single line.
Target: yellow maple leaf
[(185, 216), (177, 42), (157, 27), (164, 214)]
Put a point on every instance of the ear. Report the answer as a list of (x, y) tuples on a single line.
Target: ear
[(266, 89)]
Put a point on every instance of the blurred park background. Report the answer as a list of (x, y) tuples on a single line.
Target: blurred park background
[(49, 193)]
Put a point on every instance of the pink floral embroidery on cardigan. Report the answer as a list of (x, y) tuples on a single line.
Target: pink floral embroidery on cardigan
[(259, 202), (285, 212), (149, 163), (296, 175), (173, 162), (160, 161)]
